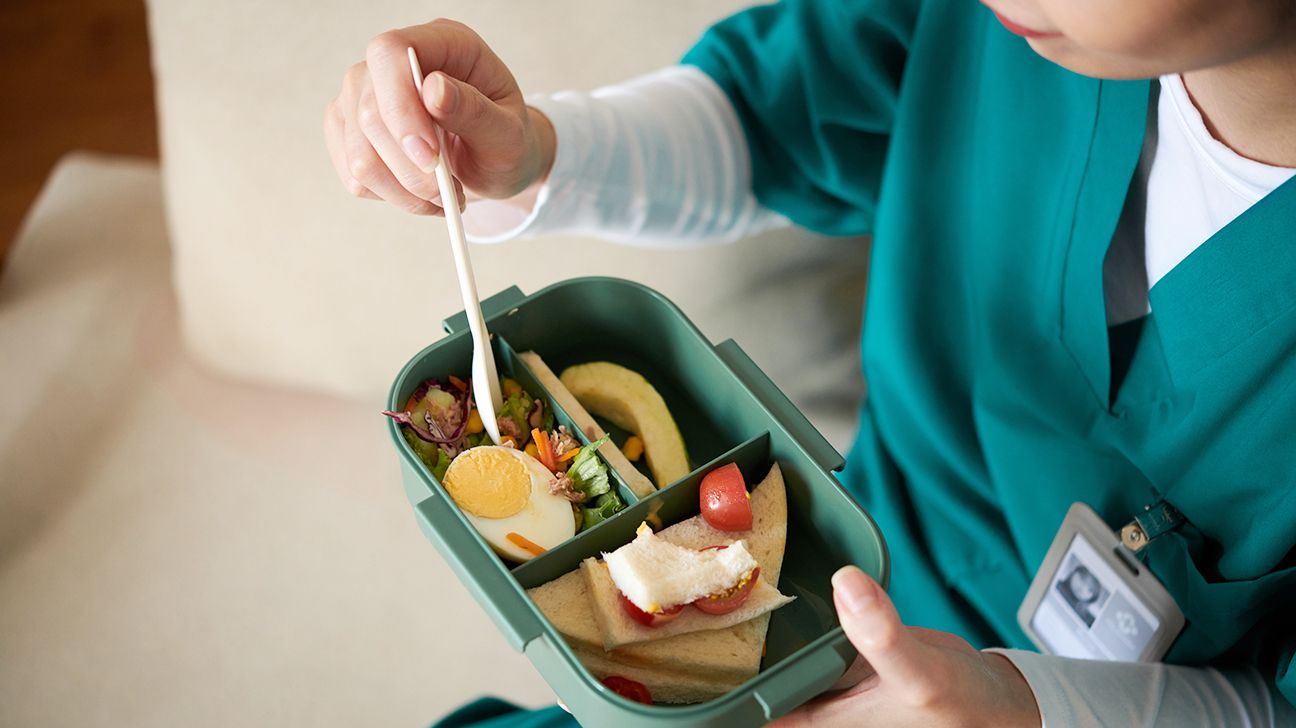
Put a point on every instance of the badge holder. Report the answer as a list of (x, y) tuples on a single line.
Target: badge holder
[(1092, 599)]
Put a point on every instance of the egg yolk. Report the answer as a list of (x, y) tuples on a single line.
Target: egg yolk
[(488, 483)]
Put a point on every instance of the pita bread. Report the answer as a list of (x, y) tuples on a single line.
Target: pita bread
[(665, 685), (722, 653)]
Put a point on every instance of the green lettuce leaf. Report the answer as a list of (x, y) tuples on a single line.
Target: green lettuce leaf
[(603, 508), (477, 439), (517, 408), (431, 454), (587, 472)]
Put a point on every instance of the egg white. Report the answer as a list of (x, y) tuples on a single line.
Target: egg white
[(546, 520)]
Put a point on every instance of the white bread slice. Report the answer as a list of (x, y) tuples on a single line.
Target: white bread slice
[(620, 630), (653, 571), (727, 656), (637, 481)]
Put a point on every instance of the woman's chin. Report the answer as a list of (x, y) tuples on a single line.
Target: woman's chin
[(1087, 63)]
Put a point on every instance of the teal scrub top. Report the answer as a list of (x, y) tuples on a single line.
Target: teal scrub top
[(992, 181)]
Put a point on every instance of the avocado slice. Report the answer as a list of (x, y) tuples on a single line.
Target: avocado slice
[(627, 400)]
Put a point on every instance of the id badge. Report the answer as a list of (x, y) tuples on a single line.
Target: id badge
[(1092, 599)]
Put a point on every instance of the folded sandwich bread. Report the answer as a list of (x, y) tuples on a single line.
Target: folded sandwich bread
[(689, 667)]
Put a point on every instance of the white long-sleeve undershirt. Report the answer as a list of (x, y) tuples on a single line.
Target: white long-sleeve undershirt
[(1097, 694), (661, 160)]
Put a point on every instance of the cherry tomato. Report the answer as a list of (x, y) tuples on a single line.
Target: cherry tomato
[(648, 619), (726, 504), (627, 688), (729, 600)]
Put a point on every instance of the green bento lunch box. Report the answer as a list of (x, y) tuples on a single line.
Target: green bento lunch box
[(727, 411)]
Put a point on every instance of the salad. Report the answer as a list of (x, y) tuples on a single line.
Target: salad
[(440, 422)]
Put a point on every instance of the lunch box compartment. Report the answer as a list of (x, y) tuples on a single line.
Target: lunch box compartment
[(808, 562), (727, 411), (455, 358)]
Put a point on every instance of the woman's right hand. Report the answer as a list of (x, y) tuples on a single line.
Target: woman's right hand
[(382, 137)]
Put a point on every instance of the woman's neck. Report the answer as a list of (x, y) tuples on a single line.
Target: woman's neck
[(1250, 104)]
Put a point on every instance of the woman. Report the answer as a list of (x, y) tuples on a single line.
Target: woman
[(1082, 290)]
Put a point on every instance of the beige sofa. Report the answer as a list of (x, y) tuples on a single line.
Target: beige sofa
[(200, 516)]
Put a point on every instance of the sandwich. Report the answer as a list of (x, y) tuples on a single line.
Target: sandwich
[(683, 660)]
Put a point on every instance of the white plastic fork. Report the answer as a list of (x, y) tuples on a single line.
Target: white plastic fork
[(488, 398)]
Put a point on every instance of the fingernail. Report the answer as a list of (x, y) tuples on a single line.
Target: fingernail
[(420, 153), (855, 590), (447, 93)]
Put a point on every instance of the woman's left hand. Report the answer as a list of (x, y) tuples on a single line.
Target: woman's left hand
[(913, 676)]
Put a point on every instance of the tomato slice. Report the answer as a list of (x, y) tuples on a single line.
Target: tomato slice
[(730, 599), (627, 688), (649, 619), (726, 505)]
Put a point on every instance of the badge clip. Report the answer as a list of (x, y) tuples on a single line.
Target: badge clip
[(1156, 519)]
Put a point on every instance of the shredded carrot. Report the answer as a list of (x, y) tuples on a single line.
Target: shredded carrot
[(524, 543), (458, 383), (569, 455), (546, 458)]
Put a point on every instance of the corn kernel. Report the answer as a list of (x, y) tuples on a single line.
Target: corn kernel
[(654, 520), (633, 448), (511, 387), (532, 450), (474, 422), (508, 441)]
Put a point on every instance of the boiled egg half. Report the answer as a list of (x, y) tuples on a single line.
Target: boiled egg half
[(505, 494)]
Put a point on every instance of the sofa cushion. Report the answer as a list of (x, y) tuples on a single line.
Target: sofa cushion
[(180, 549)]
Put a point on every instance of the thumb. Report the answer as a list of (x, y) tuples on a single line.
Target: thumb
[(462, 110), (871, 623)]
